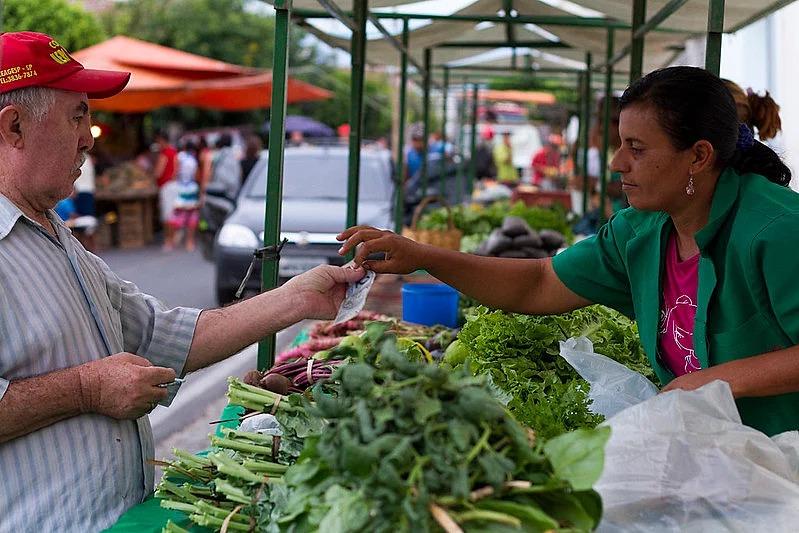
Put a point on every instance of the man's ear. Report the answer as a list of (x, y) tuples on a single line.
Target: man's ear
[(11, 126)]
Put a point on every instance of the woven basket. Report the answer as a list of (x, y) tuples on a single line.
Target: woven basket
[(449, 238)]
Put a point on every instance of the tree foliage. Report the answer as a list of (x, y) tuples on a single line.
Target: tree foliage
[(336, 110), (227, 30), (70, 25)]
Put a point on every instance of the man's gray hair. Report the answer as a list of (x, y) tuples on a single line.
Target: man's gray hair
[(37, 101)]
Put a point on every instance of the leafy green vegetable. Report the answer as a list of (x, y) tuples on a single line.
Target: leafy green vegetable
[(476, 222), (408, 444), (577, 457), (521, 354)]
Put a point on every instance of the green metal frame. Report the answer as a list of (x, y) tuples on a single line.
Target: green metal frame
[(473, 142), (461, 143), (603, 171), (541, 20), (442, 183), (587, 99), (356, 20), (274, 179), (428, 58), (358, 62), (650, 25), (715, 28), (637, 41), (503, 44), (399, 190)]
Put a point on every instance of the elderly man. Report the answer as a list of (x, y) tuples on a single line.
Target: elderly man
[(84, 355)]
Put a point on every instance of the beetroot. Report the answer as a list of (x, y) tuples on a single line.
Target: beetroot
[(276, 383)]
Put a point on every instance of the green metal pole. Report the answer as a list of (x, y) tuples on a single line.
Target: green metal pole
[(358, 50), (400, 148), (587, 100), (473, 164), (715, 28), (274, 177), (426, 115), (443, 167), (637, 50), (578, 170), (461, 144), (603, 180)]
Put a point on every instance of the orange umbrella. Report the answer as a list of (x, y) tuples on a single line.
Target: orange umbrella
[(163, 76)]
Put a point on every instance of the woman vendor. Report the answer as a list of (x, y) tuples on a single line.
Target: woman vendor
[(705, 258)]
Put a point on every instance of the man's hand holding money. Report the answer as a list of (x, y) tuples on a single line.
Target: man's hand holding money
[(321, 291)]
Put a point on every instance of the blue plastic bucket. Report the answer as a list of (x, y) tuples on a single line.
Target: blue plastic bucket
[(430, 304)]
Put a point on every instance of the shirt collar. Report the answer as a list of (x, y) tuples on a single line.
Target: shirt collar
[(724, 198), (10, 214)]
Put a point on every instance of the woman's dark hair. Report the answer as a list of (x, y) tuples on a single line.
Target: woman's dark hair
[(693, 104)]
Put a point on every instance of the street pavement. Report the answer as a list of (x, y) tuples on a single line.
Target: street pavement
[(181, 278)]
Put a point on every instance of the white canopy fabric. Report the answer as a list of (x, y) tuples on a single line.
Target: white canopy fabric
[(660, 46)]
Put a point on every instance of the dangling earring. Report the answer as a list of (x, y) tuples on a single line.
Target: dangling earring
[(689, 190)]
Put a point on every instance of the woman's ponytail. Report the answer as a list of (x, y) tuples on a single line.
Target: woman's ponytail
[(764, 115)]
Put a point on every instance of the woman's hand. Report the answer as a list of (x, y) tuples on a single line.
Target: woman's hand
[(403, 255), (697, 379)]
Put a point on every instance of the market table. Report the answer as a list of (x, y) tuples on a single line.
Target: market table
[(533, 196), (135, 209), (150, 517)]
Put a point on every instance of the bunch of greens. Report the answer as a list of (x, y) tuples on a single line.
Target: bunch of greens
[(476, 221), (520, 353), (411, 446)]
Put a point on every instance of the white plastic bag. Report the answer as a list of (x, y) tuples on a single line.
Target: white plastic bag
[(614, 387), (683, 461)]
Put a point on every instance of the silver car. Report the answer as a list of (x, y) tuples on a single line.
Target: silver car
[(314, 211)]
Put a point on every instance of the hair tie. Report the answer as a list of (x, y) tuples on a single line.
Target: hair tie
[(745, 138)]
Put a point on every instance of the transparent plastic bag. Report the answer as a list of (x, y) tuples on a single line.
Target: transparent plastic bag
[(614, 387), (683, 461)]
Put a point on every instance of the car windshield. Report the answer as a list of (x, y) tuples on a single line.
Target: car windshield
[(323, 174)]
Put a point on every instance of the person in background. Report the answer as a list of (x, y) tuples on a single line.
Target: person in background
[(756, 111), (296, 138), (546, 163), (226, 170), (705, 258), (84, 188), (484, 155), (614, 199), (503, 159), (205, 162), (252, 151), (439, 145), (186, 209), (413, 155), (166, 166)]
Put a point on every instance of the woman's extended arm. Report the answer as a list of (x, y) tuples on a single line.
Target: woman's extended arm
[(519, 285)]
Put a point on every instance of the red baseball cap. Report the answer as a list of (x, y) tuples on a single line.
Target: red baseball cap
[(31, 59)]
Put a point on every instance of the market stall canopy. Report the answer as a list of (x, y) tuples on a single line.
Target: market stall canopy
[(526, 97), (661, 45), (163, 76)]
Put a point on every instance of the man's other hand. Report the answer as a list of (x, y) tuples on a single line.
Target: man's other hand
[(321, 290), (123, 386)]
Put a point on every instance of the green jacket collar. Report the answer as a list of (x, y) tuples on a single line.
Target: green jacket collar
[(724, 198), (647, 250)]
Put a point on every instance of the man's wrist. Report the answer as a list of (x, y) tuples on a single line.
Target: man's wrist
[(295, 305), (81, 381)]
